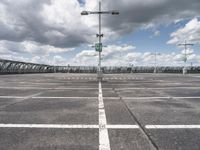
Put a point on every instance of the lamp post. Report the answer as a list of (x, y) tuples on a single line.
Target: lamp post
[(155, 68), (185, 55), (155, 60), (99, 35)]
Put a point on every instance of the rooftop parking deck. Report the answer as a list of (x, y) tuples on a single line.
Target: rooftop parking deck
[(62, 111)]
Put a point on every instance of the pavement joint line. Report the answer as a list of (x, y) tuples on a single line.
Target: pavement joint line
[(172, 126), (140, 125), (21, 100), (104, 142)]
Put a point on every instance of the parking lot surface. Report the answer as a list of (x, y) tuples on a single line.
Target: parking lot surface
[(76, 112)]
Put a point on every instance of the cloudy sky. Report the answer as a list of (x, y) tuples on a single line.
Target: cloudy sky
[(54, 32)]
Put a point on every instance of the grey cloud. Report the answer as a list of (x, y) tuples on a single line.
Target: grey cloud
[(134, 14), (25, 23)]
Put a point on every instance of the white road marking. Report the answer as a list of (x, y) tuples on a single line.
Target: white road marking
[(122, 126), (8, 97), (64, 97), (39, 88), (60, 126), (161, 88), (158, 97), (172, 126), (195, 76), (48, 97), (37, 97), (104, 143), (67, 126)]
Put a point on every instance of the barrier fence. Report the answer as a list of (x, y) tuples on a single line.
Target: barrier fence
[(16, 67)]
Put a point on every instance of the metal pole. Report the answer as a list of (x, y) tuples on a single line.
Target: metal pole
[(99, 71), (185, 59), (99, 36), (185, 54), (155, 70)]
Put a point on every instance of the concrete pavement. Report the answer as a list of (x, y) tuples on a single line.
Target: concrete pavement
[(64, 111)]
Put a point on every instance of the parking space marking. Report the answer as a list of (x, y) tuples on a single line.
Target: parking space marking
[(104, 143), (172, 126), (39, 88), (102, 134), (14, 97), (159, 97), (162, 88), (45, 97), (85, 88), (64, 97), (67, 126), (53, 97), (122, 126), (58, 126)]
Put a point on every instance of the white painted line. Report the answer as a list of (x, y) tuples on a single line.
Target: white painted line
[(172, 126), (104, 143), (8, 97), (58, 126), (38, 88), (104, 140), (37, 97), (122, 126), (48, 97), (64, 98), (157, 88), (159, 98)]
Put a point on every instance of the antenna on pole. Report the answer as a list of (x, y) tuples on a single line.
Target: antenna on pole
[(185, 54)]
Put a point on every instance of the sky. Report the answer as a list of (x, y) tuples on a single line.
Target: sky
[(53, 32)]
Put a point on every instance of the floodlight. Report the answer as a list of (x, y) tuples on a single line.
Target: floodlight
[(115, 13), (84, 13)]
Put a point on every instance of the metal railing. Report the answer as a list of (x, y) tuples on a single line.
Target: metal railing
[(17, 67), (9, 67)]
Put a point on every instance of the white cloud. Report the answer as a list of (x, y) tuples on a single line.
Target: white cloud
[(189, 51), (190, 32), (126, 57), (58, 22), (110, 52), (44, 27), (28, 47), (118, 55), (157, 33)]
